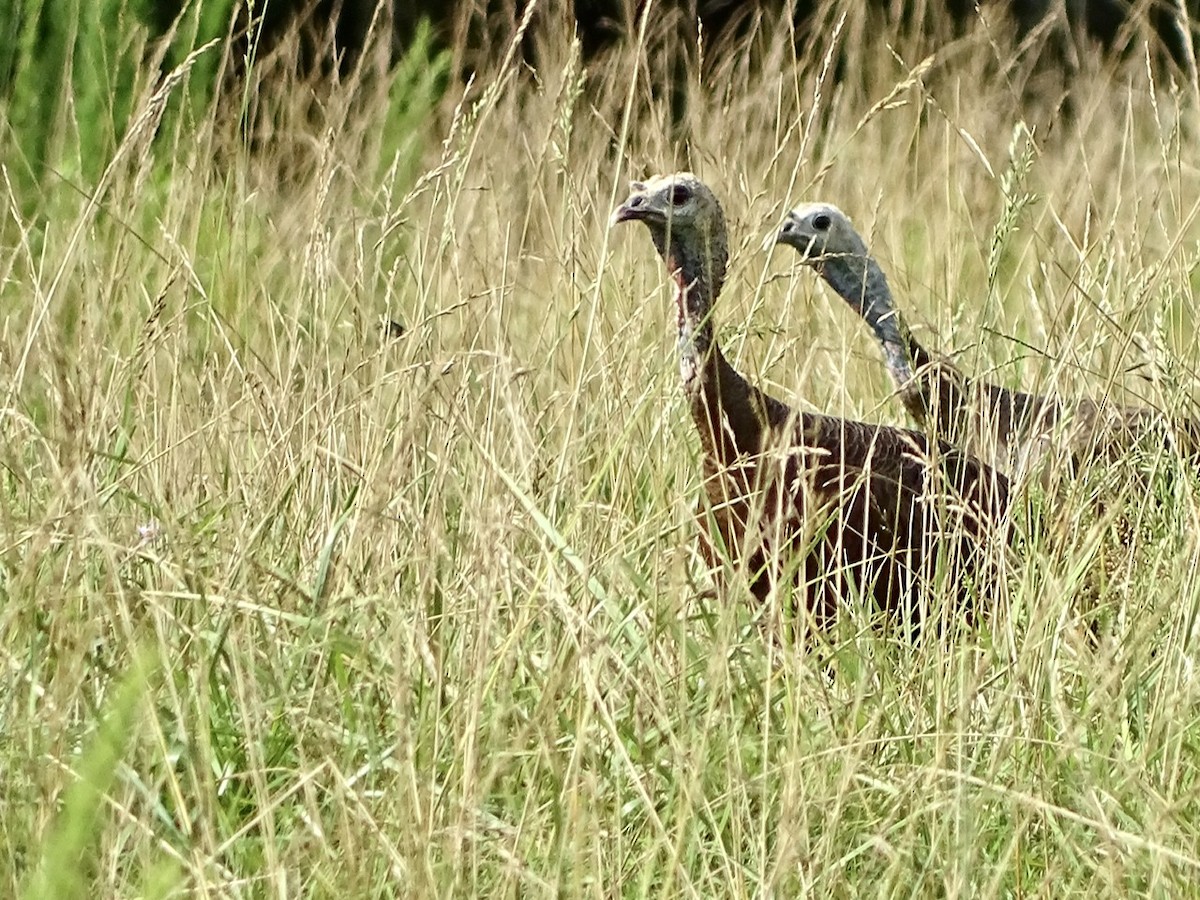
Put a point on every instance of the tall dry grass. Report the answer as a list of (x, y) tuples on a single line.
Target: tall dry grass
[(294, 608)]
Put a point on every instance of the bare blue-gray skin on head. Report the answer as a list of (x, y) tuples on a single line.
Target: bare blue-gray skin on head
[(826, 241), (966, 411), (687, 226), (776, 477)]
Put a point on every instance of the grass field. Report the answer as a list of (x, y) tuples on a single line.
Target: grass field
[(291, 607)]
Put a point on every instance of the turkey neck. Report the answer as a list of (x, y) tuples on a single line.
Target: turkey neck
[(937, 394), (861, 283), (730, 414), (698, 279), (934, 396)]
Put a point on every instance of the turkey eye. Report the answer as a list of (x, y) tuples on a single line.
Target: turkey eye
[(680, 194), (821, 222)]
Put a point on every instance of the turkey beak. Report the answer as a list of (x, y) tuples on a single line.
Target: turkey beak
[(792, 234), (631, 210)]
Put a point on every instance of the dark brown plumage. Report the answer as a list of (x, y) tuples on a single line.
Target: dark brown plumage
[(844, 509), (1009, 428)]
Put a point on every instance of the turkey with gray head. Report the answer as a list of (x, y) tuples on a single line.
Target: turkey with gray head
[(840, 509), (1009, 428)]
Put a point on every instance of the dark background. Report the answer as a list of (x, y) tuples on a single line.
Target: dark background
[(466, 27), (469, 26)]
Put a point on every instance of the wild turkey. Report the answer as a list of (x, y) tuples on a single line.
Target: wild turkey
[(1009, 428), (846, 509)]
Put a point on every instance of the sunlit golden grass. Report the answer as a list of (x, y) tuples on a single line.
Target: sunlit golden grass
[(424, 616)]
